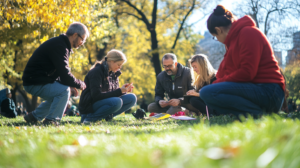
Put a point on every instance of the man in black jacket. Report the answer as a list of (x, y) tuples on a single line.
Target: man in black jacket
[(171, 85), (8, 108), (47, 74)]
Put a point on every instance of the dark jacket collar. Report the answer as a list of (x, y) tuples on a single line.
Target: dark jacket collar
[(104, 68), (67, 41)]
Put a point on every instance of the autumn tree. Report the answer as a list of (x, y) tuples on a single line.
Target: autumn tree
[(159, 18), (146, 31), (25, 24)]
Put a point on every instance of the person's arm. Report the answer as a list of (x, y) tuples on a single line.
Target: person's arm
[(189, 82), (95, 84), (159, 92), (59, 56), (251, 45), (188, 85)]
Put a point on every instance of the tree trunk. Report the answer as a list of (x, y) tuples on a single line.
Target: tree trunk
[(13, 94), (155, 53)]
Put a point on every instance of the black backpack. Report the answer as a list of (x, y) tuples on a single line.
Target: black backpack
[(139, 114)]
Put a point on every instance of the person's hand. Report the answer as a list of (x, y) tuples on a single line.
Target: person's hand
[(193, 93), (125, 88), (74, 92), (83, 86), (129, 86), (163, 103), (174, 102)]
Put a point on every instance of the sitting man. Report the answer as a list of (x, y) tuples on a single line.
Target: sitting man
[(175, 81), (47, 74), (8, 108)]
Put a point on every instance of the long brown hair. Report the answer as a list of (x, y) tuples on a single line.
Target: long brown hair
[(112, 55), (206, 71)]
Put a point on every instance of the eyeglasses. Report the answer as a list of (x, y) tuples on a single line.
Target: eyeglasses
[(214, 38), (168, 66), (81, 38)]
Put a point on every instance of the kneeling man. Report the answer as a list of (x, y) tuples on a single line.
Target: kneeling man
[(172, 84)]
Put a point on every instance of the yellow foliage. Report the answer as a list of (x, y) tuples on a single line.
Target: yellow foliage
[(25, 24)]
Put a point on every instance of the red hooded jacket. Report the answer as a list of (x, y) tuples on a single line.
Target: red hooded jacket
[(249, 56)]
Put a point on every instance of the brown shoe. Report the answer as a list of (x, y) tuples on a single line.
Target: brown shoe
[(29, 118), (47, 122)]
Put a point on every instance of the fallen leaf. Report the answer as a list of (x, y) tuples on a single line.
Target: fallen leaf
[(75, 142)]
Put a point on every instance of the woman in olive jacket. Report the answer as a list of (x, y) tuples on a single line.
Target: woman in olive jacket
[(102, 98)]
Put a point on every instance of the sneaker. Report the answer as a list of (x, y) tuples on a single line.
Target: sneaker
[(47, 122), (29, 118)]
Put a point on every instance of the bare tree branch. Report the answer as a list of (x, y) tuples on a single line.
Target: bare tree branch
[(144, 18), (127, 13), (182, 23)]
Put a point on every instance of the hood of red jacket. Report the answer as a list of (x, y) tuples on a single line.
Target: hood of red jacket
[(236, 27)]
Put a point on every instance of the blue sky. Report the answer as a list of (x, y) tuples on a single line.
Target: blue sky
[(201, 25)]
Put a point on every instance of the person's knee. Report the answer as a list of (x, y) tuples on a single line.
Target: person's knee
[(67, 91), (116, 103), (132, 97), (205, 93), (152, 107)]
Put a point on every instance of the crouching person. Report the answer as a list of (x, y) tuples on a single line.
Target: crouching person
[(102, 98), (8, 108), (47, 74), (175, 81)]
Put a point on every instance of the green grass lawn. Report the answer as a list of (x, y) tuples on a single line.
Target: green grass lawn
[(272, 141)]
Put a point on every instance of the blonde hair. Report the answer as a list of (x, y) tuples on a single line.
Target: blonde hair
[(206, 71), (112, 55)]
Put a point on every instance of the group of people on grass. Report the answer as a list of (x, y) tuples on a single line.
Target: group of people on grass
[(248, 80)]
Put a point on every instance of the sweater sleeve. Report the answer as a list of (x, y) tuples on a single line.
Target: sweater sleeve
[(95, 84), (159, 91), (250, 51), (60, 59)]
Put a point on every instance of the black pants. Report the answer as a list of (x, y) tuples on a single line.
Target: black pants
[(8, 115), (199, 104)]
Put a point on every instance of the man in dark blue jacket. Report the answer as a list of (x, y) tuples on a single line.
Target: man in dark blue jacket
[(48, 75), (8, 108)]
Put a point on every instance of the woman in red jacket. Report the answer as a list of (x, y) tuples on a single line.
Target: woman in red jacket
[(249, 78)]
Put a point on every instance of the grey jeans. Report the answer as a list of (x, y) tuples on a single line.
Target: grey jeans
[(153, 107), (56, 96)]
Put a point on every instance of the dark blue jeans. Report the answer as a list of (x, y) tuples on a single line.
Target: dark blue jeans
[(113, 105), (243, 98)]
